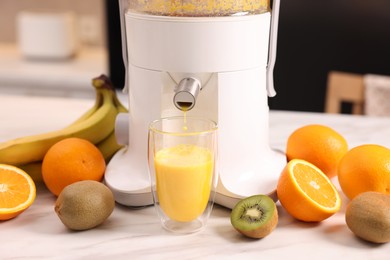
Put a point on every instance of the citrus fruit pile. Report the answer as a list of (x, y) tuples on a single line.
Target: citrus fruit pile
[(315, 155), (304, 187)]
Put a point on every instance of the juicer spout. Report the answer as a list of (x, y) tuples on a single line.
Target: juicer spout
[(186, 93)]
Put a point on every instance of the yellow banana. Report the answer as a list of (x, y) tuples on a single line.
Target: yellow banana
[(109, 146), (91, 111), (99, 101), (95, 128), (118, 105), (33, 169)]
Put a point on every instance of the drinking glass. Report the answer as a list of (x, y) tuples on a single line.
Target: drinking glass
[(182, 155)]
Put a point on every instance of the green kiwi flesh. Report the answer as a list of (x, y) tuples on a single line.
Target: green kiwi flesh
[(255, 216)]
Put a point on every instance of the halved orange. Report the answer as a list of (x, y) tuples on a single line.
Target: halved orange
[(17, 191), (306, 192)]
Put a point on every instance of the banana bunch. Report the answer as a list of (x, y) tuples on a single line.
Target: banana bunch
[(96, 125)]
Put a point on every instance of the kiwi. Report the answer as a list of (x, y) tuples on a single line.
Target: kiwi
[(255, 216), (368, 216), (84, 204)]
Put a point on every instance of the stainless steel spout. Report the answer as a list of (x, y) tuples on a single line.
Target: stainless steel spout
[(186, 93)]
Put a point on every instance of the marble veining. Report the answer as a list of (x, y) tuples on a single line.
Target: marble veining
[(135, 233)]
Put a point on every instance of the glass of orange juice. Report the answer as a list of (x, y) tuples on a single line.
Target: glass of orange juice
[(183, 171)]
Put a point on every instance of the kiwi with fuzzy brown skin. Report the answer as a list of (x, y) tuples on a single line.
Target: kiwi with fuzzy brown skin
[(368, 216), (255, 216), (84, 204)]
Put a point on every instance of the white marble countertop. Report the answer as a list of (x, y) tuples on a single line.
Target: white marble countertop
[(136, 233)]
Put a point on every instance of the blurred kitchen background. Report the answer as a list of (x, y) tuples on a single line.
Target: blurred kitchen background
[(315, 38), (30, 65)]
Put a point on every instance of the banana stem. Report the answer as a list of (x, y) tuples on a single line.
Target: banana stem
[(104, 82)]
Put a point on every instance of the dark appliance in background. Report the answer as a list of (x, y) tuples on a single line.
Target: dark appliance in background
[(318, 36), (314, 37), (114, 44)]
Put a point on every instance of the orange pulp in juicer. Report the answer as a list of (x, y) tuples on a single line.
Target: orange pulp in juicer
[(200, 7)]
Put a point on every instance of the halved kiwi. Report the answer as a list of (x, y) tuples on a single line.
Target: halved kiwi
[(255, 216)]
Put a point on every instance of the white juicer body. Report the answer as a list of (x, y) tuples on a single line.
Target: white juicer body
[(229, 56)]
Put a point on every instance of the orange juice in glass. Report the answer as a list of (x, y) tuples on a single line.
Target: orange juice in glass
[(182, 162)]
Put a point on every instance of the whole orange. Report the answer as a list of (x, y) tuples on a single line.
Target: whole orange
[(319, 145), (71, 160), (365, 168)]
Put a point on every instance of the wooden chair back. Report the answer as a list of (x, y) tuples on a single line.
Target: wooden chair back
[(344, 87)]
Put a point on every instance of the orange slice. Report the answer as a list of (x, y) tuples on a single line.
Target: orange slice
[(17, 191), (306, 192)]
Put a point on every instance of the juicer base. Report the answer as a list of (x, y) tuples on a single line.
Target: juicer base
[(129, 187), (264, 184), (135, 191)]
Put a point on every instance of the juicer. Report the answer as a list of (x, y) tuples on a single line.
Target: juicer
[(212, 59)]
